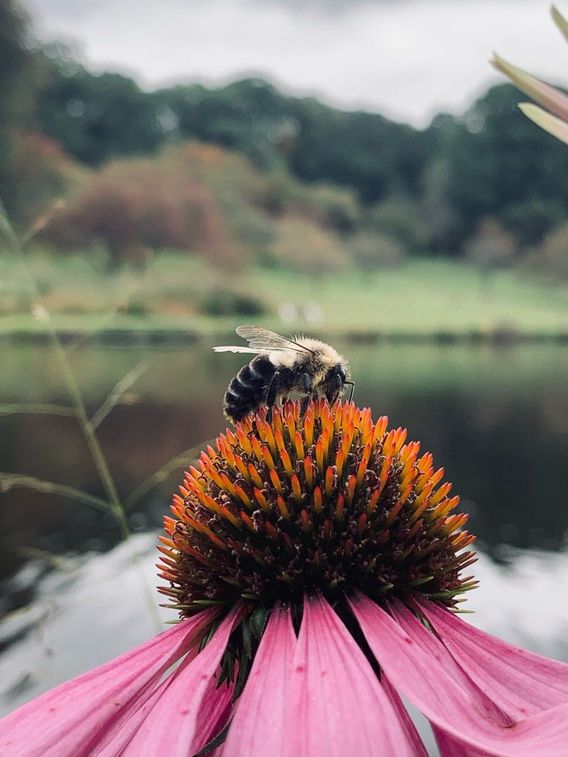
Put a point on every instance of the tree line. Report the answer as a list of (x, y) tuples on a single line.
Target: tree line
[(436, 187)]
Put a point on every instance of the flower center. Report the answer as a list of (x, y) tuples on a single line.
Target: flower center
[(328, 502)]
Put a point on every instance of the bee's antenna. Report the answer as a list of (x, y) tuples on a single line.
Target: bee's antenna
[(352, 385)]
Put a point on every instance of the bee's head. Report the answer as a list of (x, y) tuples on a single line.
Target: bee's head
[(334, 382)]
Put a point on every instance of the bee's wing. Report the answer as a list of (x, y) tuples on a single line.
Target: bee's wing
[(263, 340), (237, 348)]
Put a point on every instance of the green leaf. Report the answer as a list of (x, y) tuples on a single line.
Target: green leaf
[(553, 125)]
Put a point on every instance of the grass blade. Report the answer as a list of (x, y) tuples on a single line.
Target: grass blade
[(15, 480), (34, 409)]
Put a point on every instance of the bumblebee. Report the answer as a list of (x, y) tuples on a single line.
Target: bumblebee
[(282, 367)]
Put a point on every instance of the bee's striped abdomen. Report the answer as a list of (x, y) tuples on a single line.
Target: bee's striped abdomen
[(249, 387)]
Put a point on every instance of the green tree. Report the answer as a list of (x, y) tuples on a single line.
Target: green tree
[(501, 165), (95, 117), (363, 151), (16, 94)]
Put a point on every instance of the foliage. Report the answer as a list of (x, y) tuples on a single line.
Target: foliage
[(302, 245), (402, 220), (45, 176), (95, 117), (136, 206), (551, 258), (431, 188), (370, 252), (207, 200), (226, 301), (264, 156), (499, 165), (18, 81), (490, 247)]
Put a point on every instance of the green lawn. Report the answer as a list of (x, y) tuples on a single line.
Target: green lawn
[(421, 298)]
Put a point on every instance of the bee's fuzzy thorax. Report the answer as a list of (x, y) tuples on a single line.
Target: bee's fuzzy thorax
[(325, 352)]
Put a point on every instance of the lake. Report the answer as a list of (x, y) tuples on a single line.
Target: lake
[(496, 417)]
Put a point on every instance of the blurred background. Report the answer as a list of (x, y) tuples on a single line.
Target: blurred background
[(352, 170)]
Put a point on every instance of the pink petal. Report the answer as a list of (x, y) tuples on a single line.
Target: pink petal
[(450, 747), (73, 717), (453, 708), (430, 644), (520, 682), (214, 714), (169, 724), (337, 706), (115, 740), (257, 727), (404, 717), (551, 98)]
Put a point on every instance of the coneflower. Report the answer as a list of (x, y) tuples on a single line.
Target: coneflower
[(316, 565)]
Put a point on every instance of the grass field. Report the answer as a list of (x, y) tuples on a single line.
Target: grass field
[(420, 298)]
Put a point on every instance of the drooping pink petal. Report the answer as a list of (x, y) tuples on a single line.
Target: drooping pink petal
[(549, 97), (336, 704), (430, 644), (552, 124), (115, 740), (520, 682), (170, 724), (450, 747), (445, 701), (72, 718), (405, 719), (214, 714), (257, 726)]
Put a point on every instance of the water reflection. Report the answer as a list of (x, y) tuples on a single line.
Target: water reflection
[(496, 418)]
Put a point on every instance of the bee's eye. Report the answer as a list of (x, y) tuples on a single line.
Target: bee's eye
[(336, 376)]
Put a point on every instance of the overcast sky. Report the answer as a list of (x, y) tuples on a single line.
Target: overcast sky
[(405, 58)]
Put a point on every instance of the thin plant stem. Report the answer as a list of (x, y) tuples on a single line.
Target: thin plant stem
[(70, 382), (13, 480), (116, 395), (161, 475), (24, 408), (75, 396)]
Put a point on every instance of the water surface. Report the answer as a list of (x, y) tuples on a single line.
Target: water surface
[(495, 417)]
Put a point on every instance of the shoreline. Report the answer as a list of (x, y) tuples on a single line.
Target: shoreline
[(153, 336)]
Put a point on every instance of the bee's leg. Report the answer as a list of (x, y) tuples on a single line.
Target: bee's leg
[(308, 387), (271, 394), (332, 394)]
